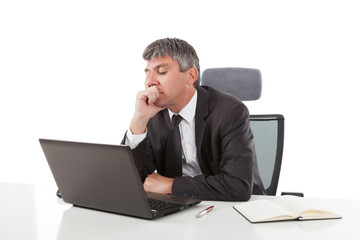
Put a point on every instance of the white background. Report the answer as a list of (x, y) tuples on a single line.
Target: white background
[(70, 70)]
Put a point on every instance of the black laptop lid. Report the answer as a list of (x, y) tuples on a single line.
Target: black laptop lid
[(97, 176)]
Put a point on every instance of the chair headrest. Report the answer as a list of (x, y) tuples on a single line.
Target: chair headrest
[(243, 83)]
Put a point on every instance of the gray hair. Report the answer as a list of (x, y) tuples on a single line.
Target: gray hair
[(180, 51)]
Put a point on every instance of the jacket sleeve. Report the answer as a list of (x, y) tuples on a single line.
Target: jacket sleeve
[(142, 156)]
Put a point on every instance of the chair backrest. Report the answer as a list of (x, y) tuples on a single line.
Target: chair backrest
[(243, 83), (268, 130)]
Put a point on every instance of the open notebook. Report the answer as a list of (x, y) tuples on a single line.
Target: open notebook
[(284, 208)]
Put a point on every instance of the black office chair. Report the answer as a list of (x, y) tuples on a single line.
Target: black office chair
[(268, 130)]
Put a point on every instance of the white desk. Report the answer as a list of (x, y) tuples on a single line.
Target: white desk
[(34, 212)]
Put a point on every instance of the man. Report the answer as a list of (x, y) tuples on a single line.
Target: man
[(217, 159)]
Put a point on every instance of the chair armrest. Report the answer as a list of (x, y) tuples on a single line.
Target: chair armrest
[(58, 194), (298, 194)]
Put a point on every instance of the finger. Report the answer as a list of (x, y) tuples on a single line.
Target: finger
[(153, 94), (152, 98), (147, 183)]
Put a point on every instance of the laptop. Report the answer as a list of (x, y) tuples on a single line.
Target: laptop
[(104, 177)]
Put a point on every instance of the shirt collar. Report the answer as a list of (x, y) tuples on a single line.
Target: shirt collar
[(188, 112)]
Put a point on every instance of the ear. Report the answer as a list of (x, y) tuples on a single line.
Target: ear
[(192, 75)]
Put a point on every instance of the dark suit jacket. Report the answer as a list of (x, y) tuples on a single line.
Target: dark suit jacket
[(224, 145)]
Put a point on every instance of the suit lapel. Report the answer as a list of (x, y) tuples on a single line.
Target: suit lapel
[(200, 118)]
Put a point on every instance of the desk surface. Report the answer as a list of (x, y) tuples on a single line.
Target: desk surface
[(34, 212)]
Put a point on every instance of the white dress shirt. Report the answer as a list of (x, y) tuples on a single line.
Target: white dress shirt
[(190, 164)]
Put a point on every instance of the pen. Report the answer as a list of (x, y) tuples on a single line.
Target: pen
[(205, 211)]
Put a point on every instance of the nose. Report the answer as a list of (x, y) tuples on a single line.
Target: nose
[(151, 80)]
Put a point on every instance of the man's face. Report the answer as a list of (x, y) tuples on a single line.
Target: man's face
[(164, 73)]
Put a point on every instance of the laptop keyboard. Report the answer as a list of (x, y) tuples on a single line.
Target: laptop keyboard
[(159, 205)]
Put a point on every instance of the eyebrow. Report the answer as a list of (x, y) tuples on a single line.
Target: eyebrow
[(157, 66)]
